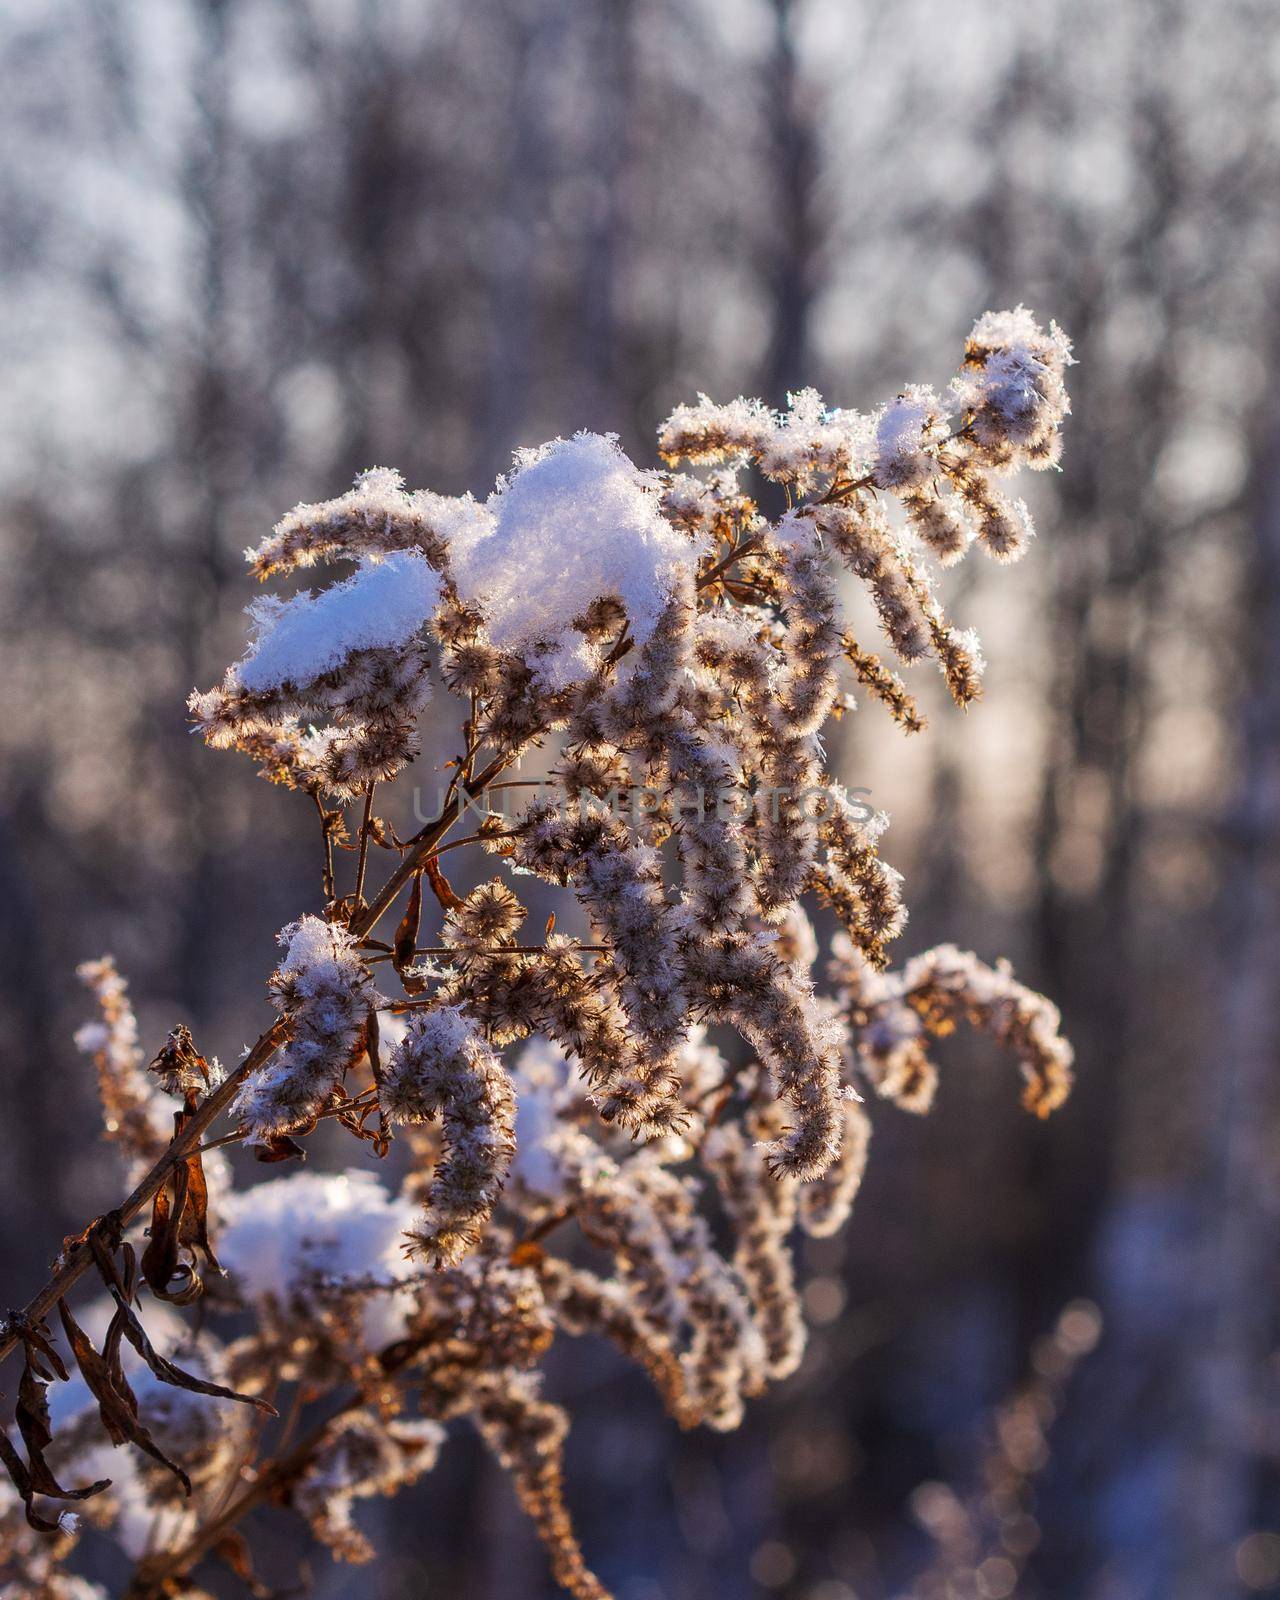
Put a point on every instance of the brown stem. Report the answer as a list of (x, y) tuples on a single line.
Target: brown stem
[(422, 845), (152, 1575), (504, 949), (742, 548), (77, 1256), (472, 838), (365, 823), (326, 828)]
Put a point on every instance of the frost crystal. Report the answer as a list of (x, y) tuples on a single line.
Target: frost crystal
[(324, 990), (904, 430)]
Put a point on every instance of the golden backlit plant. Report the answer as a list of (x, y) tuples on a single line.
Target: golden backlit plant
[(585, 1118)]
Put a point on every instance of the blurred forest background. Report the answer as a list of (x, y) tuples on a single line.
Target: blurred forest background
[(252, 246)]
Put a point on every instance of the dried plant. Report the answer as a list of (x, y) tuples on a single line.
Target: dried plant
[(984, 1539), (674, 642)]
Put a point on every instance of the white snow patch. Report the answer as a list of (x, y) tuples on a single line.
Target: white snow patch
[(575, 521), (384, 604), (541, 1075), (280, 1236), (319, 956)]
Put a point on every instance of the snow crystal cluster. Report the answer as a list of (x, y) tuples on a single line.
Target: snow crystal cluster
[(325, 992), (445, 1066)]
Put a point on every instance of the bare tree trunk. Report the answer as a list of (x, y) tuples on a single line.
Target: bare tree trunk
[(1242, 1205), (212, 417), (513, 245), (795, 157)]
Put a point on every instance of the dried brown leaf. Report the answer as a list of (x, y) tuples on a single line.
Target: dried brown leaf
[(16, 1467), (180, 1066), (406, 938), (270, 1148), (440, 885), (162, 1263), (117, 1403), (40, 1365), (136, 1334), (179, 1228), (373, 1045)]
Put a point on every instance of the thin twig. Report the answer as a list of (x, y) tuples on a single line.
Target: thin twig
[(326, 829), (504, 949), (472, 838), (365, 823), (245, 1461), (152, 1576), (742, 548)]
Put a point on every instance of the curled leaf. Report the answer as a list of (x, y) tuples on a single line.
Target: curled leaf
[(373, 1045), (162, 1263), (41, 1365), (406, 938), (131, 1327), (21, 1478), (270, 1148), (440, 885), (179, 1229), (117, 1403)]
